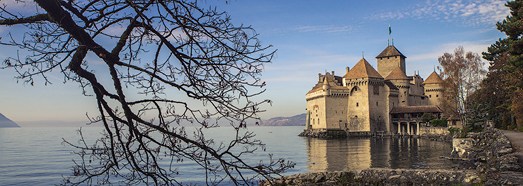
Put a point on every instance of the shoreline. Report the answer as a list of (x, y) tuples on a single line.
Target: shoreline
[(489, 159)]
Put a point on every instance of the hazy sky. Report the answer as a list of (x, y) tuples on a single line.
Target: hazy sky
[(311, 37)]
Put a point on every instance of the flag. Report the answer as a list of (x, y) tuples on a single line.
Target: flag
[(390, 30)]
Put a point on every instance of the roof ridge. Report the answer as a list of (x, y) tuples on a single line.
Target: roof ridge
[(433, 78), (390, 51), (362, 69), (397, 74)]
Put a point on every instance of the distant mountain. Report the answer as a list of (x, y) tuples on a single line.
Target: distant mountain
[(6, 122), (298, 120)]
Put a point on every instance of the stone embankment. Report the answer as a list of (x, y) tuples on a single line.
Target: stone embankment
[(382, 177), (324, 134), (487, 158), (491, 154)]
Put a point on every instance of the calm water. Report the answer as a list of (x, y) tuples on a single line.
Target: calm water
[(36, 156)]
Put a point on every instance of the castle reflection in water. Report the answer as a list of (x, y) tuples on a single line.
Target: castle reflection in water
[(362, 153)]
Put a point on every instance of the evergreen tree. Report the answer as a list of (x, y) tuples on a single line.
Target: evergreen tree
[(500, 96)]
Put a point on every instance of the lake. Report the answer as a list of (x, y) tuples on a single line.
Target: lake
[(36, 156)]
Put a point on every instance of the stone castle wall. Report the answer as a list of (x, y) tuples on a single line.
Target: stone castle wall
[(433, 131), (336, 111), (358, 109), (387, 64)]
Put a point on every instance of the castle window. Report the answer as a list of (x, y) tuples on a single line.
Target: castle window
[(437, 95), (430, 96), (376, 103), (357, 104), (376, 90)]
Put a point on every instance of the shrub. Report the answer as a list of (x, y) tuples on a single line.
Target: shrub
[(438, 123)]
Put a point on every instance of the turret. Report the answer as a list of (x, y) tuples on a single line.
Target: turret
[(434, 89), (400, 80), (389, 59), (326, 85)]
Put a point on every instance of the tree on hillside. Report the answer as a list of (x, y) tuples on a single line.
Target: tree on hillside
[(461, 72), (501, 92), (143, 61)]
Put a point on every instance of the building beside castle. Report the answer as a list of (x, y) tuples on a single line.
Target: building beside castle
[(366, 102)]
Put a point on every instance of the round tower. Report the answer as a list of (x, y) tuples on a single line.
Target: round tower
[(434, 89)]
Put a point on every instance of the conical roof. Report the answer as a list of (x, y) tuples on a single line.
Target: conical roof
[(433, 79), (390, 51), (362, 69), (397, 74)]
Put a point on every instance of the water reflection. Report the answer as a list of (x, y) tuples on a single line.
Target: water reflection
[(362, 153)]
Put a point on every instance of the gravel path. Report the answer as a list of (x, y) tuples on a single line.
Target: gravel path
[(516, 138)]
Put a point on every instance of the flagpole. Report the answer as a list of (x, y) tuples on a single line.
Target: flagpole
[(390, 32)]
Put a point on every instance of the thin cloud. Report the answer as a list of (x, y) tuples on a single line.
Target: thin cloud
[(324, 28), (20, 7), (476, 47), (465, 11)]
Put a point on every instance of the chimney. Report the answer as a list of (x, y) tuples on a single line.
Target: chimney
[(347, 69)]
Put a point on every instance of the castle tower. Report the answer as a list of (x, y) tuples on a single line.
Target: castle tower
[(389, 59), (367, 89), (326, 104), (434, 89), (400, 80)]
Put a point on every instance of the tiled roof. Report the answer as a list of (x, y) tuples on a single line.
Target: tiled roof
[(397, 74), (433, 79), (416, 109), (390, 51), (391, 86), (362, 69), (328, 80)]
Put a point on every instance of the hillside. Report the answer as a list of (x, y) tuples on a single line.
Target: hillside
[(298, 120), (6, 122)]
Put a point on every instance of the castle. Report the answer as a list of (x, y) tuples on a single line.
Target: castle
[(367, 102)]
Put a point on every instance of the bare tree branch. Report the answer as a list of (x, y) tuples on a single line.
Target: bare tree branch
[(158, 55)]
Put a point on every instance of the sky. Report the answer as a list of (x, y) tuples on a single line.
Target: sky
[(310, 37)]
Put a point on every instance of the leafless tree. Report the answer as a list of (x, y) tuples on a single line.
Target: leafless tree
[(142, 60), (462, 73)]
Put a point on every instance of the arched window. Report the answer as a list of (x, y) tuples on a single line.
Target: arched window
[(353, 90)]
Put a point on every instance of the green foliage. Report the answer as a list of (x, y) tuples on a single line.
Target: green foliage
[(500, 96), (520, 129), (426, 117), (438, 123), (474, 127), (457, 132)]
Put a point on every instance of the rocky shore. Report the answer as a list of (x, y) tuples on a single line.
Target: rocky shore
[(382, 177), (324, 134), (487, 159), (491, 155)]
